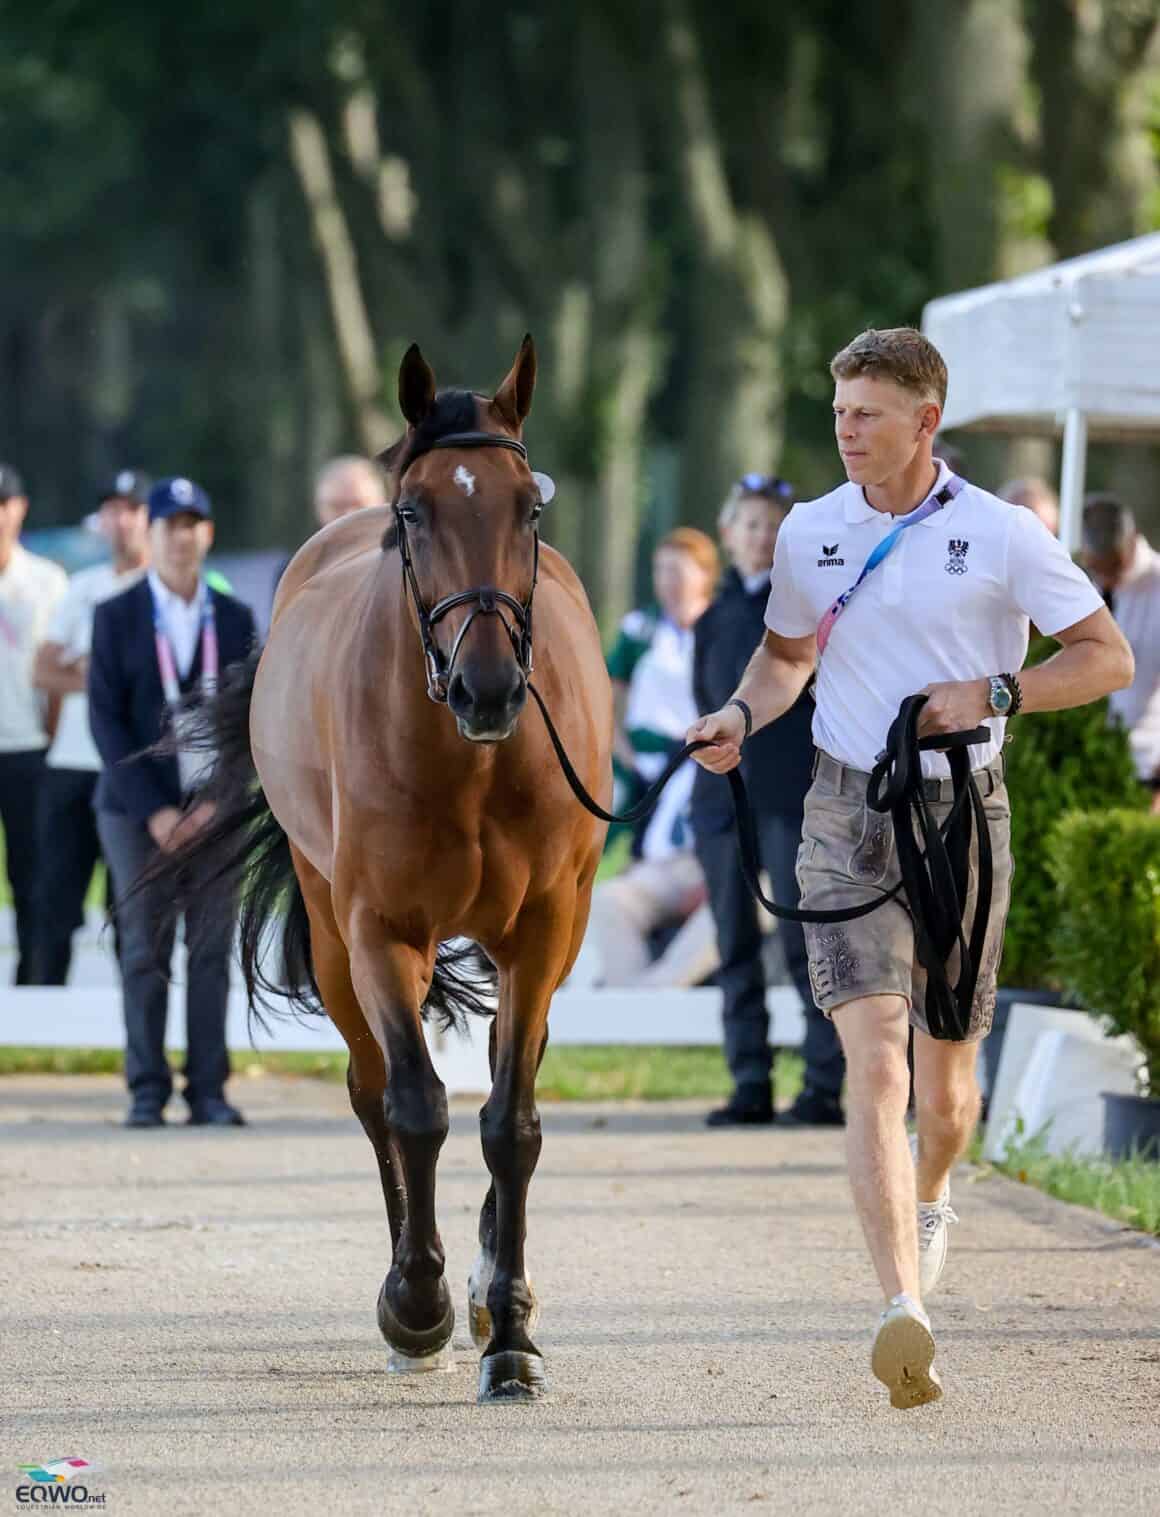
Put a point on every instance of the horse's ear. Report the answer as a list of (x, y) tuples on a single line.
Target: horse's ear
[(416, 385), (513, 399)]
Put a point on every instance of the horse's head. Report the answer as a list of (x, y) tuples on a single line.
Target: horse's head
[(466, 510)]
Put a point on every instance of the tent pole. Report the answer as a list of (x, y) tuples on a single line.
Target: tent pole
[(1071, 482)]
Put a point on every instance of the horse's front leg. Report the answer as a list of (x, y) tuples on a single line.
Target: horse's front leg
[(415, 1312), (531, 961)]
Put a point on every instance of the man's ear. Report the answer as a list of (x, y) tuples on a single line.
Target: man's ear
[(929, 419)]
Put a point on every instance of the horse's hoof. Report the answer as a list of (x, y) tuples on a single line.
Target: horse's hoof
[(417, 1349), (512, 1376), (399, 1363)]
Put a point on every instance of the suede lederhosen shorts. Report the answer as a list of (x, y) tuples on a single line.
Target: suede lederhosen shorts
[(848, 854)]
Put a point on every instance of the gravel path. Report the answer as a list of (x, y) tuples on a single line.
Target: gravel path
[(194, 1311)]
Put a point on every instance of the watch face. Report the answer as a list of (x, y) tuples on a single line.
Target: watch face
[(1000, 698)]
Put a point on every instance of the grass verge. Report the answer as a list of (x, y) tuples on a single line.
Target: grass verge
[(1127, 1190), (573, 1073)]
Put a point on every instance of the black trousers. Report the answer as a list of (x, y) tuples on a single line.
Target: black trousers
[(742, 976), (21, 775), (69, 850), (146, 926)]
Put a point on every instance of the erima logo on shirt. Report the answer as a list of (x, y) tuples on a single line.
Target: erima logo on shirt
[(827, 560)]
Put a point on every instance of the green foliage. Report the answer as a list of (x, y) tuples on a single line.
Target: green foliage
[(1126, 1189), (1057, 761), (1107, 937)]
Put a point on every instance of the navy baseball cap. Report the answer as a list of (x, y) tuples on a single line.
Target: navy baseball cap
[(126, 484), (170, 497), (10, 482)]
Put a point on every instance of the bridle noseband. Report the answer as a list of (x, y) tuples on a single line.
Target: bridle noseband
[(487, 599)]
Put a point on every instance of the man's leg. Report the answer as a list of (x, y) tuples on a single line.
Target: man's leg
[(145, 926), (874, 1032), (740, 975), (209, 933), (69, 849), (947, 1108), (21, 775), (822, 1051)]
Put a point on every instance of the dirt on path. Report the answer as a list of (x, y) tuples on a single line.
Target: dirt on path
[(193, 1311)]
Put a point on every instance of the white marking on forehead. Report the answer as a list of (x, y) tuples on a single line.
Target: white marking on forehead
[(465, 479)]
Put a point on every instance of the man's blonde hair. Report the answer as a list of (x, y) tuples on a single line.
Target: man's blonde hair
[(901, 354)]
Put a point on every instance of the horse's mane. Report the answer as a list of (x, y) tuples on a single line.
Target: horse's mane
[(453, 411)]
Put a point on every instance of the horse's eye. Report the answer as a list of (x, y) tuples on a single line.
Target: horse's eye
[(408, 515)]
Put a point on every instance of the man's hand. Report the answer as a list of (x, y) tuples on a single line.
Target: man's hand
[(725, 729), (954, 706), (189, 826), (162, 824)]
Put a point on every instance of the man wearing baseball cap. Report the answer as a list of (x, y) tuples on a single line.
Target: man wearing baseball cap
[(30, 587), (157, 646), (69, 846)]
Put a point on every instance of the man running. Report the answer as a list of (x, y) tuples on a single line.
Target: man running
[(943, 609)]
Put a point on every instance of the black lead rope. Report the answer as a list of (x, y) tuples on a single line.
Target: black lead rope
[(935, 878)]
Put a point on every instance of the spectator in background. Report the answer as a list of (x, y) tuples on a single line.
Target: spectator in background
[(1039, 498), (30, 588), (1126, 570), (163, 640), (346, 484), (69, 846), (777, 767), (651, 665), (953, 457)]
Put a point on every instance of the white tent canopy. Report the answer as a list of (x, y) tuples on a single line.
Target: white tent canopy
[(1074, 348)]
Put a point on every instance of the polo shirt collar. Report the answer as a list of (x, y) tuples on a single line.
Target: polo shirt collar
[(16, 562), (859, 509)]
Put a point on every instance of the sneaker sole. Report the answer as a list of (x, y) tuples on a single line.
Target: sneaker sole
[(902, 1359)]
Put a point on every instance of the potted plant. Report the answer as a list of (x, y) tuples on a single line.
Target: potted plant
[(1056, 761), (1106, 945)]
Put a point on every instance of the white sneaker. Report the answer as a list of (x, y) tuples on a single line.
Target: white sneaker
[(903, 1354), (934, 1219)]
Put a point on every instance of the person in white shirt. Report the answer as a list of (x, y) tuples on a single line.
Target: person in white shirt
[(70, 846), (943, 610), (1126, 571), (30, 587)]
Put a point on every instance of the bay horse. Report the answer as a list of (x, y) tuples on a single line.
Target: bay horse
[(384, 790)]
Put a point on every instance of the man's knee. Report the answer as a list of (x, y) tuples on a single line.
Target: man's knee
[(951, 1109)]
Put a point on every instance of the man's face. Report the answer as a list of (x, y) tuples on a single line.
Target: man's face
[(1109, 569), (180, 543), (13, 510), (346, 491), (879, 427), (125, 524)]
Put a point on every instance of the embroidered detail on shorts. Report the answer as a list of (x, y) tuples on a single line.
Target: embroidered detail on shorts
[(869, 860), (833, 963)]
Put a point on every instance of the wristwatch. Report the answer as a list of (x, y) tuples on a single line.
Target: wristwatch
[(1000, 697)]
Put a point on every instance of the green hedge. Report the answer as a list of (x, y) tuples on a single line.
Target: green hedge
[(1106, 942), (1057, 761)]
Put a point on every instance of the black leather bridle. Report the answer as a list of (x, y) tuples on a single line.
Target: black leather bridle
[(486, 600)]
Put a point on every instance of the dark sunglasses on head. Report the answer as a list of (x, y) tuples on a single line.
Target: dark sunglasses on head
[(768, 485)]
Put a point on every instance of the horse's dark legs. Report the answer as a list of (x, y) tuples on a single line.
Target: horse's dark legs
[(531, 964), (483, 1270), (415, 1312), (368, 1101)]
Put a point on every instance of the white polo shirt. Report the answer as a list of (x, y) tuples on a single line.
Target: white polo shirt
[(29, 590), (71, 627), (951, 601)]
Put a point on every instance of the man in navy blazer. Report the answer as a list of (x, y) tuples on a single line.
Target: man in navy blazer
[(167, 638)]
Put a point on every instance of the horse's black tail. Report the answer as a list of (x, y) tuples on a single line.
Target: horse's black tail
[(245, 842)]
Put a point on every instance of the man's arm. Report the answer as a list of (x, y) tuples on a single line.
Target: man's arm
[(56, 674), (774, 678), (1095, 660)]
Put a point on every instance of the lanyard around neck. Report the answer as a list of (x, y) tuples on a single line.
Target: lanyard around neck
[(167, 663), (942, 497)]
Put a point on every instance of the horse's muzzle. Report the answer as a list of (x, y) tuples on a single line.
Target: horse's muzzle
[(487, 707)]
